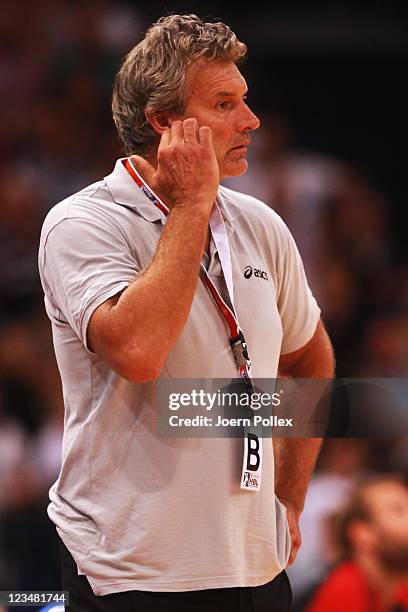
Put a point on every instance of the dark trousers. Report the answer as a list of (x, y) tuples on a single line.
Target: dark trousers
[(275, 596)]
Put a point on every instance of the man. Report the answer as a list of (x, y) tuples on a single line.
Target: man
[(373, 537), (154, 523)]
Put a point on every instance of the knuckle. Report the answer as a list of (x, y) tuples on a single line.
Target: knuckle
[(175, 149)]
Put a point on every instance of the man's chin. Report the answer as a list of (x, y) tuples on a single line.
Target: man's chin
[(236, 168)]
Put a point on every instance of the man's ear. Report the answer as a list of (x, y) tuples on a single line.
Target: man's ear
[(159, 121)]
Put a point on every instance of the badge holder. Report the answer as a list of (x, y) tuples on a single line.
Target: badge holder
[(252, 459)]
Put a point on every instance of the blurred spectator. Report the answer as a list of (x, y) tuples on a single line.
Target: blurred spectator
[(384, 350), (22, 209), (340, 463), (30, 450), (398, 456), (372, 537)]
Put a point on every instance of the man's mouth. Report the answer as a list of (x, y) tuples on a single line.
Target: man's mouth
[(241, 147)]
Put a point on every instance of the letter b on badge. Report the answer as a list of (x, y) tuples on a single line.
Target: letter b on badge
[(253, 458), (252, 462)]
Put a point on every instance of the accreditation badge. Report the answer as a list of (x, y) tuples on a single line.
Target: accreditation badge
[(252, 460)]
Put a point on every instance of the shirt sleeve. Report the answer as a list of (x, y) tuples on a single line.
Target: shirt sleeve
[(83, 263), (297, 306)]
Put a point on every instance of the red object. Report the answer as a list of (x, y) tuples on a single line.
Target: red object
[(347, 589)]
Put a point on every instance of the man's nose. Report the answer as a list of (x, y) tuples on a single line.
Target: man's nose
[(249, 121)]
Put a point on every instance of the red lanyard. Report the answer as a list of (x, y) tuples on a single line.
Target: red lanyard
[(236, 336)]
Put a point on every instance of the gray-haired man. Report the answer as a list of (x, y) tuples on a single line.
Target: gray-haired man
[(153, 523)]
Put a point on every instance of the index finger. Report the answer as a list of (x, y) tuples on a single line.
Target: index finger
[(190, 130), (205, 136)]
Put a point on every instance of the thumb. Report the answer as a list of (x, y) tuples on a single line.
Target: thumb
[(144, 167)]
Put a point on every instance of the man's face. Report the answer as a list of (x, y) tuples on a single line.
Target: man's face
[(388, 503), (217, 93)]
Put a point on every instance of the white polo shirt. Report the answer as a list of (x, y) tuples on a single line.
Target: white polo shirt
[(139, 511)]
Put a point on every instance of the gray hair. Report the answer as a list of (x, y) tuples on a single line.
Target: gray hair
[(153, 76)]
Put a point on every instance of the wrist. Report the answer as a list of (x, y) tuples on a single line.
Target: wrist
[(192, 210), (292, 506)]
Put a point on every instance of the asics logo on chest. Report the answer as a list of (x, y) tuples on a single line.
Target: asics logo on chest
[(256, 272)]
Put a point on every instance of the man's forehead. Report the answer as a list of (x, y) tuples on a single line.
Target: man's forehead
[(386, 494), (214, 76)]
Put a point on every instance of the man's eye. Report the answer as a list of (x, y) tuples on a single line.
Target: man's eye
[(223, 105)]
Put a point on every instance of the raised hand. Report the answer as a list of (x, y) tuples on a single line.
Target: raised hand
[(187, 173)]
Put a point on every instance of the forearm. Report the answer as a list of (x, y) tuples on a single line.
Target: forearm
[(295, 459), (148, 317), (134, 332)]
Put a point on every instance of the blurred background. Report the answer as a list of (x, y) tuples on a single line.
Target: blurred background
[(327, 81)]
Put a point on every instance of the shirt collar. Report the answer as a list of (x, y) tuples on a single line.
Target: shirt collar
[(229, 210), (125, 192)]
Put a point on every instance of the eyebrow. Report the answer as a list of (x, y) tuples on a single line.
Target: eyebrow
[(227, 94)]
